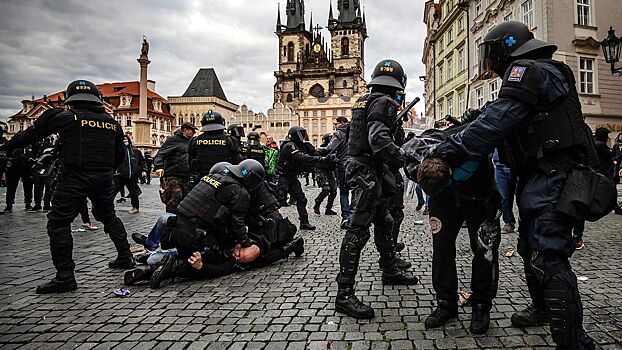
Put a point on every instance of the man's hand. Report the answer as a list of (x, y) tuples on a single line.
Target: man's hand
[(196, 261), (160, 172), (144, 173)]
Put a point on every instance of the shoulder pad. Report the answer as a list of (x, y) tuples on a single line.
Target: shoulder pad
[(383, 108), (521, 80)]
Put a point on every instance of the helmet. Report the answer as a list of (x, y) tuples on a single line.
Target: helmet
[(83, 91), (218, 168), (253, 138), (212, 121), (297, 134), (505, 43), (389, 73), (235, 130), (44, 165), (326, 139), (250, 171)]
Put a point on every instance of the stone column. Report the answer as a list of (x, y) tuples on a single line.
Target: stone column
[(142, 126)]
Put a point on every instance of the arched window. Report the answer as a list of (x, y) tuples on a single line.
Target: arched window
[(193, 121), (290, 98), (290, 52), (345, 84), (345, 46), (317, 90)]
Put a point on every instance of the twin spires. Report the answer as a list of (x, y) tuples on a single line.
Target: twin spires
[(349, 11)]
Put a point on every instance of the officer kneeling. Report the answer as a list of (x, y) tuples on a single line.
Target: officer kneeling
[(91, 147), (538, 124)]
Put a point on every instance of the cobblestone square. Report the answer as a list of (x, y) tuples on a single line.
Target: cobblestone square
[(289, 305)]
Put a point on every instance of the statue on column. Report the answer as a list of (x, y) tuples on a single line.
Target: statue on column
[(144, 50)]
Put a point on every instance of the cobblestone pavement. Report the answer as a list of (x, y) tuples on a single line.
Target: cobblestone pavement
[(285, 306)]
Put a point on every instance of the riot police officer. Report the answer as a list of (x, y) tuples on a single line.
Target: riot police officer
[(538, 123), (255, 150), (212, 146), (236, 131), (91, 147), (293, 161), (371, 150), (326, 181)]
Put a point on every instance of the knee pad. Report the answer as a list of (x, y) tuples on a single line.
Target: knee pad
[(357, 237), (563, 304), (546, 266)]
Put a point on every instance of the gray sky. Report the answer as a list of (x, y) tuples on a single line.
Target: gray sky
[(45, 44)]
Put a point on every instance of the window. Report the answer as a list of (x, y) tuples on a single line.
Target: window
[(461, 24), (193, 121), (315, 113), (583, 13), (450, 68), (494, 90), (345, 84), (441, 44), (345, 46), (461, 59), (306, 113), (477, 43), (343, 112), (450, 35), (527, 8), (450, 106), (440, 74), (21, 126), (440, 110), (509, 17), (586, 75), (323, 113), (479, 95), (290, 52), (478, 7), (128, 122), (461, 102), (290, 98)]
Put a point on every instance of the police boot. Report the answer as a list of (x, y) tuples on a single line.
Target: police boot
[(167, 269), (306, 226), (445, 311), (480, 318), (530, 317), (139, 238), (392, 274), (347, 303), (125, 259), (330, 211), (141, 273), (399, 246), (296, 246), (316, 208), (57, 285)]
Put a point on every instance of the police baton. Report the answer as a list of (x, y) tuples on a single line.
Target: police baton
[(404, 112)]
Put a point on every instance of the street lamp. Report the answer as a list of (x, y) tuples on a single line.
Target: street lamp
[(611, 49)]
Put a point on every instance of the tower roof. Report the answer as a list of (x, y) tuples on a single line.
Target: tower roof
[(205, 84), (295, 14), (349, 10)]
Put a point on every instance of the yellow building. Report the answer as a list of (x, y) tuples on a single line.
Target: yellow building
[(450, 54), (319, 115)]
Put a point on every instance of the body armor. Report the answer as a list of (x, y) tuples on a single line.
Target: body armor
[(284, 165), (201, 202), (545, 133), (210, 149), (89, 143), (358, 143), (257, 153)]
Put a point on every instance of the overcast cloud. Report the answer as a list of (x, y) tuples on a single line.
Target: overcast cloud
[(44, 44)]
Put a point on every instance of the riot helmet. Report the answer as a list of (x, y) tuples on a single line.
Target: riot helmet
[(297, 134), (507, 42), (212, 121), (253, 138), (83, 91), (389, 73), (250, 171), (218, 168), (45, 163), (326, 139), (235, 130)]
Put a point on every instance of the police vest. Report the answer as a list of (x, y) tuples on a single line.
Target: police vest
[(257, 153), (211, 149), (201, 203), (358, 142), (545, 134), (89, 141)]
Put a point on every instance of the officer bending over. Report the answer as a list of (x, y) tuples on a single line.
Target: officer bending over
[(371, 148), (91, 148), (538, 123)]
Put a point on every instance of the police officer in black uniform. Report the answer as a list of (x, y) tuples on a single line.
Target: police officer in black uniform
[(293, 161), (538, 123), (371, 149), (91, 147), (212, 146), (236, 131), (254, 149), (326, 180)]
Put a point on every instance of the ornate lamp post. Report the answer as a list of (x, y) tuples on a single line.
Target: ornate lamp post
[(611, 49)]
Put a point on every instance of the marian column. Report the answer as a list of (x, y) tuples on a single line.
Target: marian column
[(142, 126)]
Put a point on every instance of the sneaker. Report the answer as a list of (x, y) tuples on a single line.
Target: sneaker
[(121, 200), (579, 244), (443, 313), (133, 211), (419, 206), (35, 209), (316, 209), (344, 224), (480, 318), (89, 226), (142, 258), (347, 303), (8, 209), (139, 238), (307, 226), (57, 286), (329, 212), (507, 229), (530, 317), (403, 264)]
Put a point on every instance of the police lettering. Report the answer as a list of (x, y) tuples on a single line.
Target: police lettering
[(211, 142), (83, 87), (360, 105), (212, 182), (256, 150), (98, 125)]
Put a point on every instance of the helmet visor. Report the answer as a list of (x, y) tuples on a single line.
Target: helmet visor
[(302, 135), (491, 54)]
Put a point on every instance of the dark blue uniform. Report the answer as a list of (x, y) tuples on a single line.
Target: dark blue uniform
[(537, 95)]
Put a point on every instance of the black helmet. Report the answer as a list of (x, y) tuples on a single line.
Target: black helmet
[(218, 168), (389, 73), (253, 138), (297, 134), (326, 139), (83, 91), (250, 171), (44, 165), (212, 121), (505, 43), (236, 130)]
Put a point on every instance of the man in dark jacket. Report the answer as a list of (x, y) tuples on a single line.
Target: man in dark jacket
[(128, 173), (326, 180), (171, 165), (605, 155), (339, 146), (149, 166), (19, 169)]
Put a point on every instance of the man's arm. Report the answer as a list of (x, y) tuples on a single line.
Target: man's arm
[(44, 126)]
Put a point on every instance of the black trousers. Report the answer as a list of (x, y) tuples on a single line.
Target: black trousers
[(69, 198), (12, 180), (290, 184), (327, 182), (132, 187), (43, 189), (446, 219)]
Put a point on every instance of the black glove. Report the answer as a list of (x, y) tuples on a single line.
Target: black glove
[(471, 114)]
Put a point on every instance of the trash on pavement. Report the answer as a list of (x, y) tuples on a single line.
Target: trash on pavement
[(463, 297), (509, 253), (121, 292)]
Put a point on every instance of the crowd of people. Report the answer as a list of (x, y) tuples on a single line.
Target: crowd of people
[(222, 194)]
